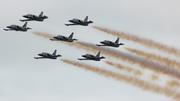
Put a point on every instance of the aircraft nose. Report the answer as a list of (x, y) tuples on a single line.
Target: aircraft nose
[(83, 55), (40, 54), (8, 26), (70, 20), (55, 37), (25, 16), (102, 42)]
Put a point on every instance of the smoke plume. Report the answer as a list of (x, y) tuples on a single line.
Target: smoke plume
[(143, 41), (143, 63), (154, 77), (150, 56), (125, 68), (173, 83), (120, 55), (45, 35), (144, 85)]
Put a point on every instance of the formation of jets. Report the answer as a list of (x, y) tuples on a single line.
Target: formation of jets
[(85, 22)]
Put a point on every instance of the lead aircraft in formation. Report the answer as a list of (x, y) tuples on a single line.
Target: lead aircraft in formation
[(23, 28), (48, 55), (64, 38), (110, 43), (31, 17), (92, 57), (80, 22)]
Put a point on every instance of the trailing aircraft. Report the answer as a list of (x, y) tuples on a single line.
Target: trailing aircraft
[(80, 22), (24, 28), (64, 38), (92, 57), (110, 43), (48, 55), (31, 17)]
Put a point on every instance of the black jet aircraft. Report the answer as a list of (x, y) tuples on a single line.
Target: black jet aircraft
[(64, 38), (110, 43), (48, 55), (80, 22), (31, 17), (24, 28), (92, 57)]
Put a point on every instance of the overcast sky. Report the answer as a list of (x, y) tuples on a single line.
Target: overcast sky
[(23, 78)]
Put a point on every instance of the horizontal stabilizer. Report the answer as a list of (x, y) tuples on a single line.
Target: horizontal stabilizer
[(121, 44)]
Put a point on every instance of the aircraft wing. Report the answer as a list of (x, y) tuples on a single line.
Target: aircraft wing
[(83, 59), (26, 20), (100, 45), (8, 29), (70, 24), (39, 57)]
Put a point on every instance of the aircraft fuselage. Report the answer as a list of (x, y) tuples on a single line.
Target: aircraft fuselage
[(79, 22)]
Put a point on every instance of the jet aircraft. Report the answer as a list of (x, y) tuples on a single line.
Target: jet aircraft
[(80, 22), (24, 28), (48, 55), (110, 43), (92, 57), (31, 17), (64, 38)]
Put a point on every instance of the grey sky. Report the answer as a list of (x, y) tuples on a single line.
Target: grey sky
[(22, 78)]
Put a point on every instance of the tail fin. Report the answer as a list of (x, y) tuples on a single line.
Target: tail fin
[(54, 53), (71, 36), (98, 54), (117, 41), (86, 19), (41, 14), (25, 24)]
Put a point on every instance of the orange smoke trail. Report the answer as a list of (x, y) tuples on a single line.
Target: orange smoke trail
[(120, 55), (143, 41), (173, 83), (45, 35), (150, 56), (125, 68), (144, 85), (154, 77), (143, 63)]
